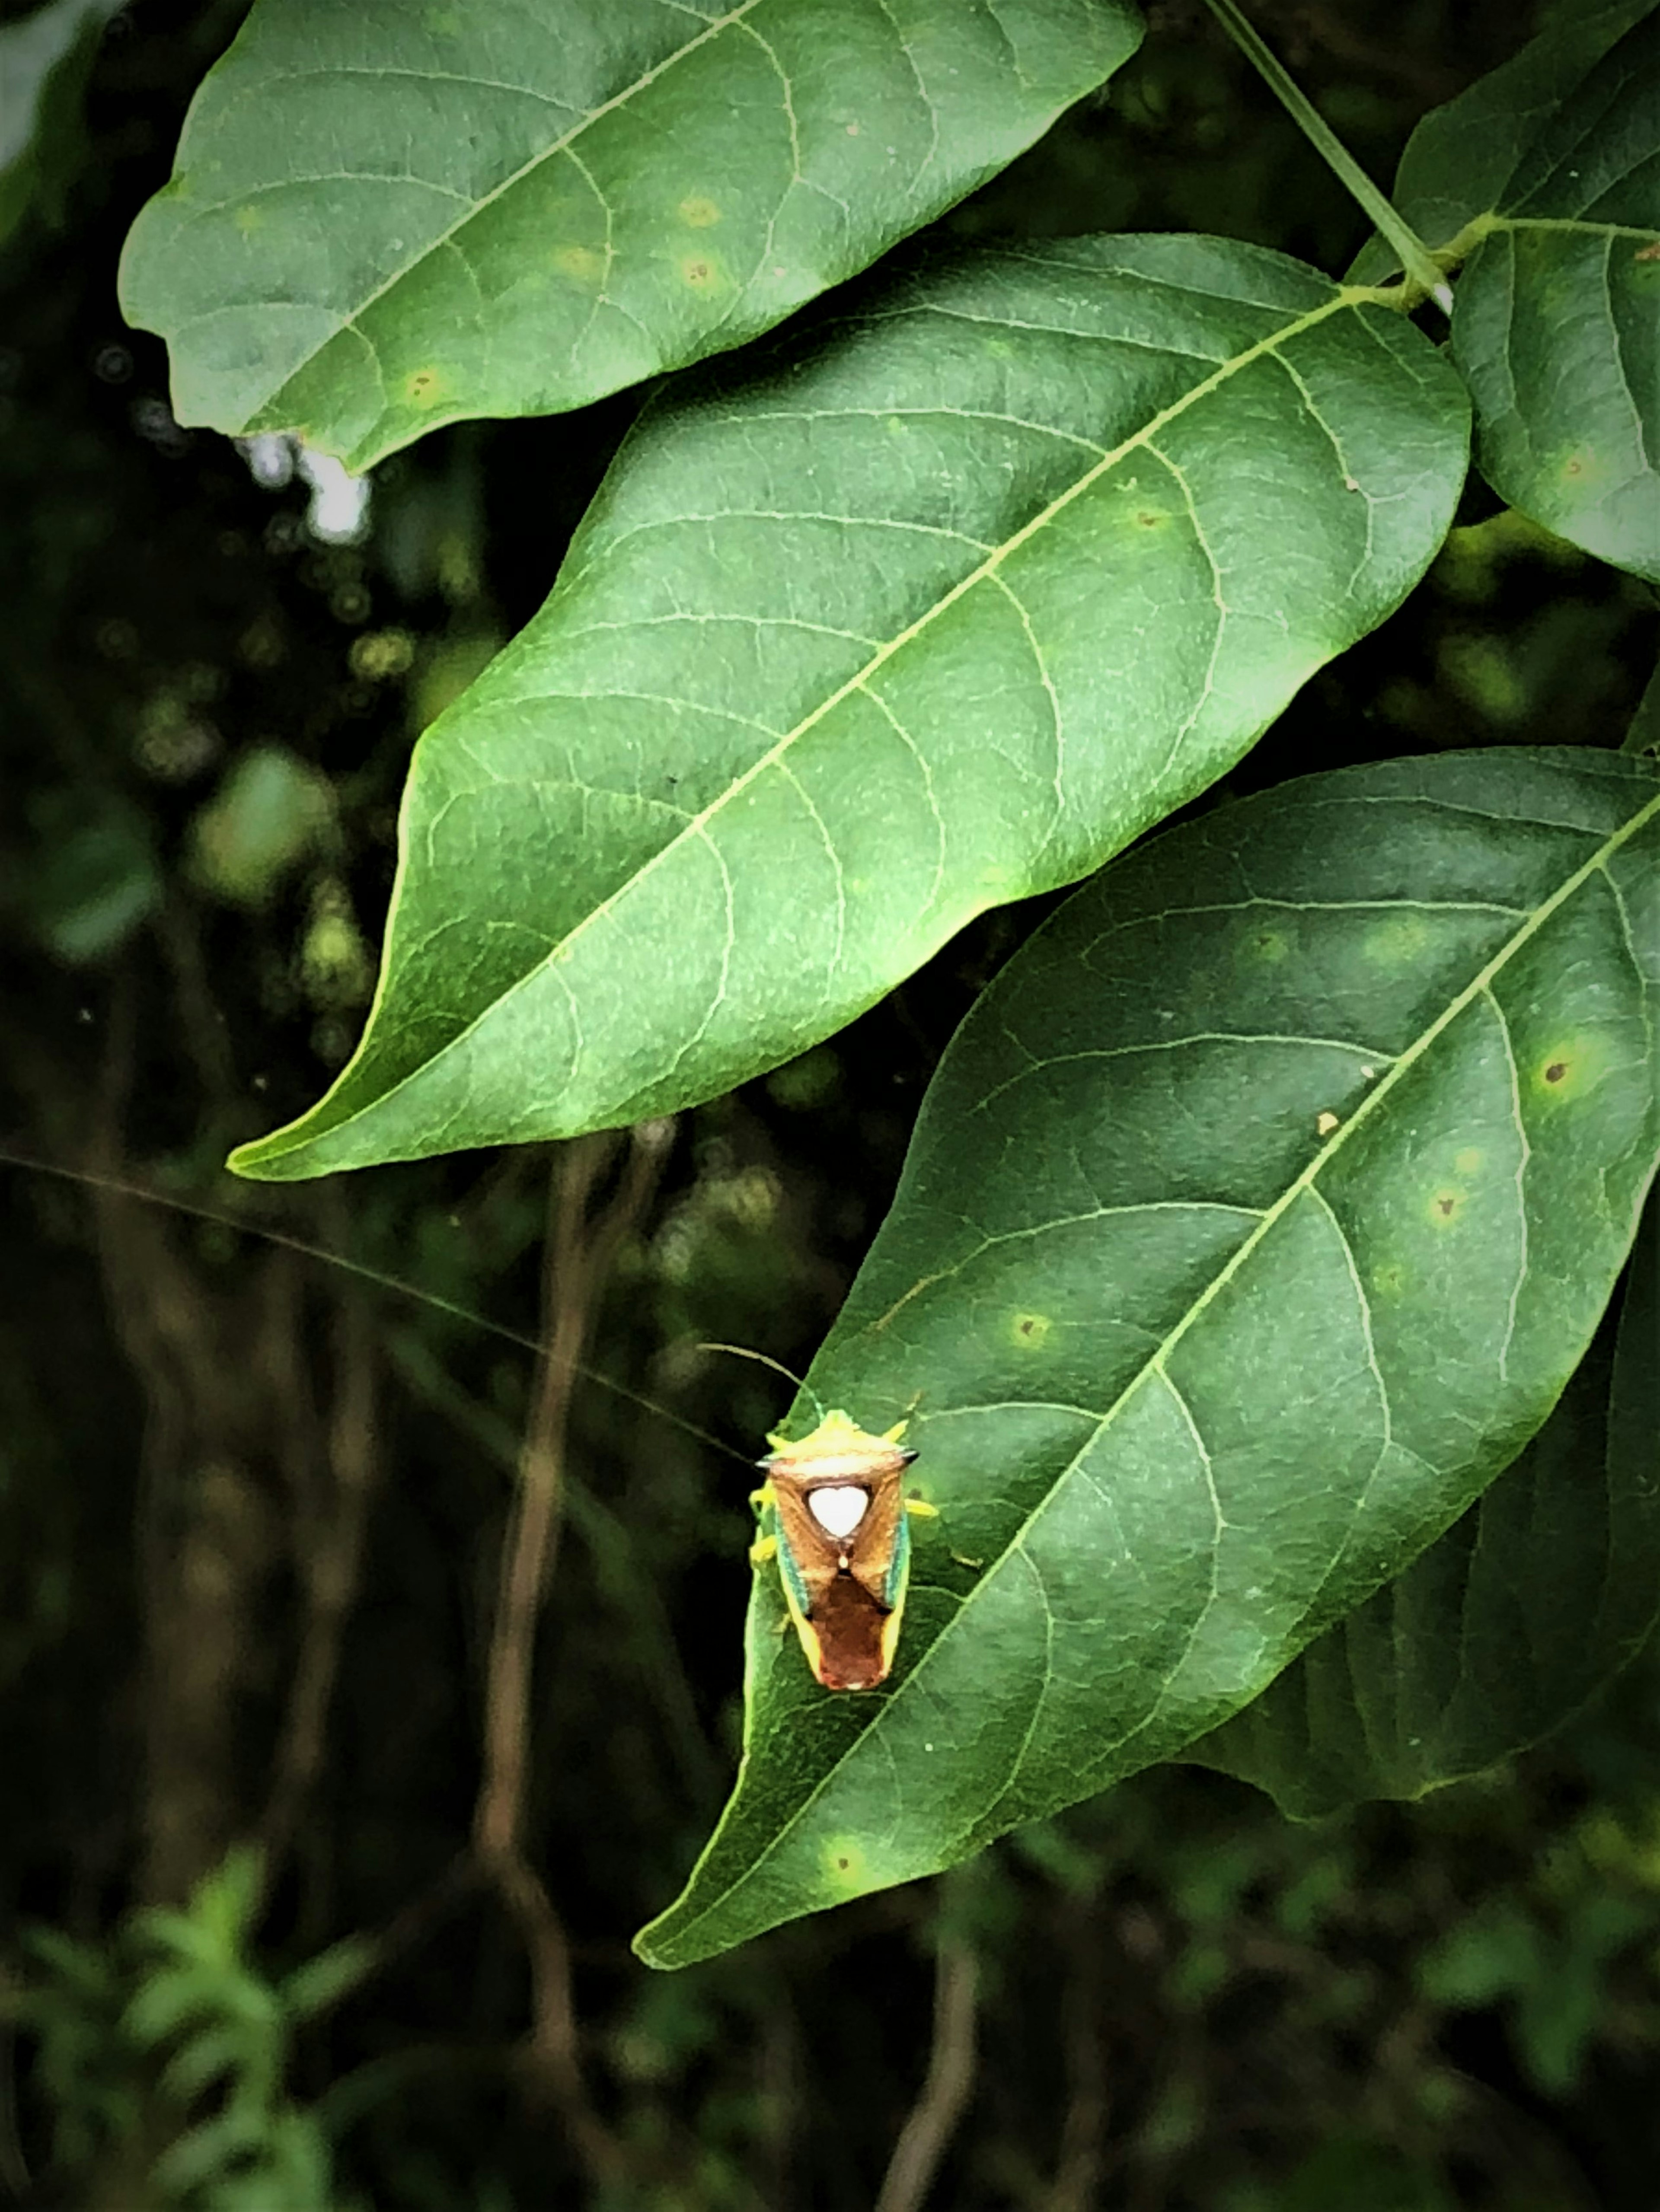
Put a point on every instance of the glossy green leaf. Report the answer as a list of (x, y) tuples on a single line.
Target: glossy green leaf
[(1460, 156), (1548, 175), (958, 591), (384, 217), (1508, 1623), (1256, 1218), (1556, 322)]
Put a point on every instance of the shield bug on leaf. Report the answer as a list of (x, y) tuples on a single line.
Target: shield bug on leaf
[(835, 1516)]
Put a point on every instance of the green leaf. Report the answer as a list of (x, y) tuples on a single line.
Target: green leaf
[(385, 217), (1556, 321), (1507, 1624), (962, 588), (1257, 1216), (1460, 156), (1547, 174), (318, 1982)]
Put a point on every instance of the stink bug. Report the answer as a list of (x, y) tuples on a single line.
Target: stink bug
[(836, 1518)]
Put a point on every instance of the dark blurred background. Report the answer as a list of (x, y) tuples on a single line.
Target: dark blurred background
[(253, 1506)]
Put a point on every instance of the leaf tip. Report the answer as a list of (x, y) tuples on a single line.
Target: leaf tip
[(280, 1155), (654, 1945)]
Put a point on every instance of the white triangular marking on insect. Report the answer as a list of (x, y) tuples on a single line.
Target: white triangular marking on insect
[(839, 1510)]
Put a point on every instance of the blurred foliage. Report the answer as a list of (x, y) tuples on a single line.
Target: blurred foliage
[(1185, 2004), (164, 2053)]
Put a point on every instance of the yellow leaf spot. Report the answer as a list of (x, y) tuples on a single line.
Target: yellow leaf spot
[(1326, 1124), (843, 1863), (580, 262), (1469, 1160), (1395, 942), (703, 271), (853, 129), (1270, 946), (1569, 1069), (698, 213), (248, 220), (423, 386)]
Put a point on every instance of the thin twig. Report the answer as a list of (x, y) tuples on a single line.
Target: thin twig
[(578, 1256), (331, 1570), (533, 1531), (1422, 269), (1083, 2134), (926, 2136)]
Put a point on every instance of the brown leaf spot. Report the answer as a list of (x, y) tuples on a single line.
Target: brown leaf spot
[(1556, 1071), (1648, 253)]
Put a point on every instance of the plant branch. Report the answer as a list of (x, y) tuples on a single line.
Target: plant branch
[(330, 1568), (577, 1257), (932, 2122), (1082, 2161), (1423, 270)]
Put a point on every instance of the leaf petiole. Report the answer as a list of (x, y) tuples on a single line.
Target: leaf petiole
[(1423, 270)]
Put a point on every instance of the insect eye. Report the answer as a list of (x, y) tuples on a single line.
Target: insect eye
[(839, 1508)]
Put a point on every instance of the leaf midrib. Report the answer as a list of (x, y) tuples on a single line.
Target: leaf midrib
[(1348, 296), (1304, 1181)]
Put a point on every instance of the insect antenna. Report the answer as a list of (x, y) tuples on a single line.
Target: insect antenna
[(398, 1284), (765, 1360)]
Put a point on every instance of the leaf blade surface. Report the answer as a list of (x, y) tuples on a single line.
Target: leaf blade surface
[(384, 218), (939, 606), (1508, 1624), (1556, 319), (1546, 174), (1256, 1218)]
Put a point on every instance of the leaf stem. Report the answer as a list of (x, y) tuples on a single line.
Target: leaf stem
[(1423, 271)]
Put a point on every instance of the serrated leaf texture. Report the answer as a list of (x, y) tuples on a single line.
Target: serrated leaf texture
[(966, 585), (1255, 1220), (385, 217)]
